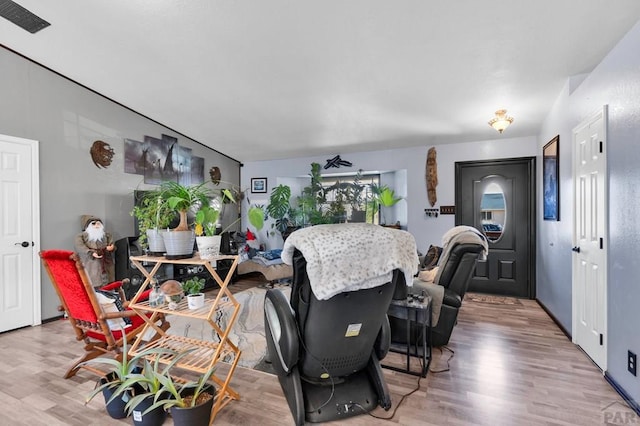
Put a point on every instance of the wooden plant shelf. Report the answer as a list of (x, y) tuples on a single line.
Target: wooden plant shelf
[(203, 354)]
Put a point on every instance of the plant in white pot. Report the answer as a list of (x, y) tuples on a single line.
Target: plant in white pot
[(206, 223), (193, 289), (206, 237), (153, 216), (179, 241)]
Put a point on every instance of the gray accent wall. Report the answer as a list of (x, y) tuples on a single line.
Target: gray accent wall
[(66, 118)]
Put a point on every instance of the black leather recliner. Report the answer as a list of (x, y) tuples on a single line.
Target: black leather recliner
[(326, 352), (455, 276)]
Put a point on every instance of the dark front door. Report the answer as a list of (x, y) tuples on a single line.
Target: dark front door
[(498, 198)]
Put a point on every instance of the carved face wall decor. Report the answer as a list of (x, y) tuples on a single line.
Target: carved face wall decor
[(432, 176), (215, 174), (101, 154)]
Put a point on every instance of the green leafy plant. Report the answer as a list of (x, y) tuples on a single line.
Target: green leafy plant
[(151, 381), (313, 197), (279, 207), (256, 217), (382, 196), (152, 213), (181, 198), (121, 369), (146, 381), (387, 196), (193, 285), (172, 393)]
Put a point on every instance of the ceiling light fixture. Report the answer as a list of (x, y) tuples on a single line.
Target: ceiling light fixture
[(501, 121)]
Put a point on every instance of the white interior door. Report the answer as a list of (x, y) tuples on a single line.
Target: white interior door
[(590, 239), (19, 232)]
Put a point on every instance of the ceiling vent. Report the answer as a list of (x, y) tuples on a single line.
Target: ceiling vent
[(21, 16)]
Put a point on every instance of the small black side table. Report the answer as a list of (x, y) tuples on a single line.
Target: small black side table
[(418, 313)]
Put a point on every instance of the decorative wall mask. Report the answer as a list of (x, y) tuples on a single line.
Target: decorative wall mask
[(432, 176), (215, 174), (101, 154)]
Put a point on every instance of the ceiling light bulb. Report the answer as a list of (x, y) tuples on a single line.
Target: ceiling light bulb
[(501, 121)]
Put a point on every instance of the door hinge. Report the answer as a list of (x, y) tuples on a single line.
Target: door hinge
[(601, 339), (601, 243), (601, 147)]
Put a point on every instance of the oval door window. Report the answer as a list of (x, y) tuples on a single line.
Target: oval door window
[(493, 212)]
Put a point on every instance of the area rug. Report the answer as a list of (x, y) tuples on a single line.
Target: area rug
[(495, 300), (247, 333)]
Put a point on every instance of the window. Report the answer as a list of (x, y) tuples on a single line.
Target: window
[(347, 197)]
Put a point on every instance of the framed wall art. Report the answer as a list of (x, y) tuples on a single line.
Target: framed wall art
[(259, 185), (550, 175)]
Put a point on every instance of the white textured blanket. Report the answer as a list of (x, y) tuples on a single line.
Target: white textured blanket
[(352, 256), (460, 235)]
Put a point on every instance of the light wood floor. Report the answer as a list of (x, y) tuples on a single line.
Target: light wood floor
[(512, 366)]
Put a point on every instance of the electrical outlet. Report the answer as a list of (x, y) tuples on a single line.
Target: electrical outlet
[(632, 363)]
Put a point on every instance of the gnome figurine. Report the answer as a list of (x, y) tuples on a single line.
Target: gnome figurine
[(95, 248)]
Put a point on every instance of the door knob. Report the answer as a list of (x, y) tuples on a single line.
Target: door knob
[(576, 249), (23, 244)]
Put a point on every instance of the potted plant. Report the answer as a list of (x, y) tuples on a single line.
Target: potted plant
[(355, 194), (382, 196), (208, 236), (143, 386), (190, 403), (109, 384), (313, 198), (153, 216), (193, 289), (180, 198), (279, 208)]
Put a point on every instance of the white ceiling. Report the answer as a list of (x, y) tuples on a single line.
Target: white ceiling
[(282, 78)]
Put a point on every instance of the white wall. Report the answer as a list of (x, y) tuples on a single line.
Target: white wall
[(616, 83), (426, 230)]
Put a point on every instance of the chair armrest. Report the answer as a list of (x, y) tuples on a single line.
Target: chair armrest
[(112, 286), (117, 285), (281, 332), (120, 314)]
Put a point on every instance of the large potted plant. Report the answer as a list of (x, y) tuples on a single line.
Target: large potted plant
[(313, 198), (154, 216), (179, 241), (384, 197), (279, 208), (355, 194)]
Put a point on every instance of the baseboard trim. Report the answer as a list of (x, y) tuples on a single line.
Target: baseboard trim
[(633, 404), (560, 326), (52, 319)]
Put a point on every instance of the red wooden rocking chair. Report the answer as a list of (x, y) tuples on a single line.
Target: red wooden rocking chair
[(85, 314)]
